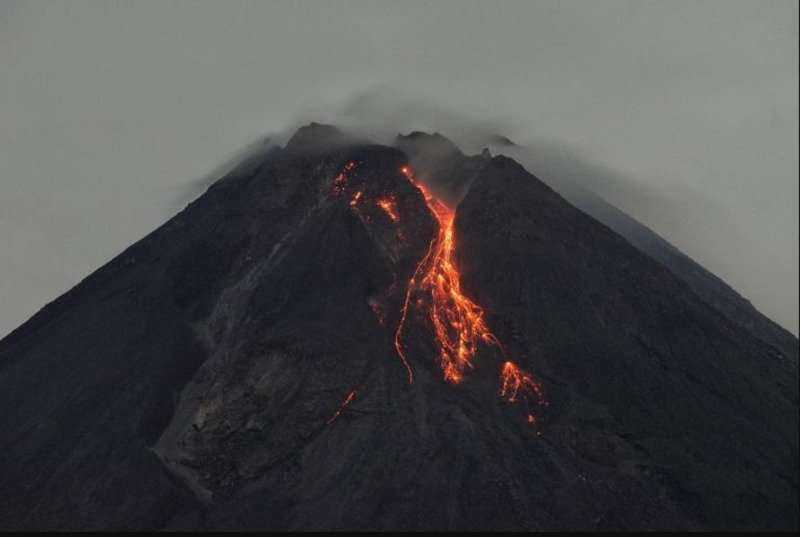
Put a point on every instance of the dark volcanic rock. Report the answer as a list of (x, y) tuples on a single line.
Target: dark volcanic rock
[(645, 377), (578, 181), (709, 287), (196, 382)]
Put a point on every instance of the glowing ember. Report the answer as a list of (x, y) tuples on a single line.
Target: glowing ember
[(389, 207), (533, 422), (354, 201), (404, 313), (347, 401), (340, 181)]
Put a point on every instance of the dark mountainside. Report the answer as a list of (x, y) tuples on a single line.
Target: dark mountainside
[(710, 288), (574, 182), (236, 369)]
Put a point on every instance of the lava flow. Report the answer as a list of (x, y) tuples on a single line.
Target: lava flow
[(340, 181), (519, 385), (435, 289), (458, 322), (389, 207), (347, 401)]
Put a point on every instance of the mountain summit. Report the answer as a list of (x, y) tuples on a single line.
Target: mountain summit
[(340, 335)]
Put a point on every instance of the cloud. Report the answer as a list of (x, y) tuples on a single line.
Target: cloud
[(112, 115)]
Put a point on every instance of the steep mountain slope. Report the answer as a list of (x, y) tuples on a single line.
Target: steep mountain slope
[(656, 383), (708, 286), (238, 369), (577, 180)]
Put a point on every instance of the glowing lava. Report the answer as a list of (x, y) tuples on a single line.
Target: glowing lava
[(435, 290), (519, 385), (458, 322), (340, 181), (390, 208), (347, 401)]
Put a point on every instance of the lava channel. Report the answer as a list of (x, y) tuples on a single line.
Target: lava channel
[(458, 322), (345, 403)]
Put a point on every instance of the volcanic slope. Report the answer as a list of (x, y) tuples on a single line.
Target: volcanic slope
[(578, 181), (238, 369)]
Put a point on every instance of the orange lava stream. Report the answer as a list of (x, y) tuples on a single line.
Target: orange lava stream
[(518, 384), (458, 322), (389, 207), (347, 401), (338, 188)]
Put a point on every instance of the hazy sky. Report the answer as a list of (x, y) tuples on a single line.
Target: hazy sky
[(109, 109)]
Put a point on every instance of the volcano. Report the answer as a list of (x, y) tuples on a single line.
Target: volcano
[(342, 335)]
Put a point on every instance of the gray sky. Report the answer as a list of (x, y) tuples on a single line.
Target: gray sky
[(111, 110)]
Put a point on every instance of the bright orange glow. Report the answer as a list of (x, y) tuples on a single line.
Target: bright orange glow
[(518, 384), (340, 181), (404, 313), (347, 401), (534, 423), (458, 322), (435, 291), (389, 207)]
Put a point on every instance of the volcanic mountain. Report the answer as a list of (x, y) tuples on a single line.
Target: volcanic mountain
[(341, 335)]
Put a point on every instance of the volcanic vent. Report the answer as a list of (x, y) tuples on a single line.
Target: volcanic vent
[(248, 365)]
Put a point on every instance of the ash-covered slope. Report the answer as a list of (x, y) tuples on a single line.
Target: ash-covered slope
[(708, 286), (577, 180), (237, 369), (656, 383)]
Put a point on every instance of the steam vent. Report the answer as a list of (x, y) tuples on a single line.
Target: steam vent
[(342, 335)]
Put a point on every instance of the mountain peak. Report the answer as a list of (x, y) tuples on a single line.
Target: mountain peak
[(498, 140), (419, 142), (316, 137)]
